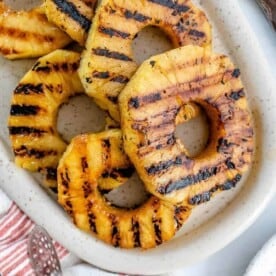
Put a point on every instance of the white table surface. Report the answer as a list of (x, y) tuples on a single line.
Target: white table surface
[(234, 259)]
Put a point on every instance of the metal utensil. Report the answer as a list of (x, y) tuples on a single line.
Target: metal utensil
[(42, 253)]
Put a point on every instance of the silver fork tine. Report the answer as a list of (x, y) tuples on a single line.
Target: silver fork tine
[(42, 253)]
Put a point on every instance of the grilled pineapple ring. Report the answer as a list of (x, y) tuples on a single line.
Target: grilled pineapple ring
[(74, 16), (107, 63), (28, 34), (33, 116), (150, 104), (87, 160)]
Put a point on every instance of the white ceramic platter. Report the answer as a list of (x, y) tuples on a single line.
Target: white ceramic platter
[(211, 226)]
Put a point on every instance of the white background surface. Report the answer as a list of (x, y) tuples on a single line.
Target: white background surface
[(234, 259)]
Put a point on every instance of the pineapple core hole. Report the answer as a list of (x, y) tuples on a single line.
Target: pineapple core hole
[(149, 42), (129, 195), (194, 134), (19, 5), (79, 115)]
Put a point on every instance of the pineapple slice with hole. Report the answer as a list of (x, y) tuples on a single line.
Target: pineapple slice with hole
[(28, 34), (74, 16)]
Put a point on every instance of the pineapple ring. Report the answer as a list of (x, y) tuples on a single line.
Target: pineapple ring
[(74, 16), (150, 104), (28, 34), (107, 63), (36, 142), (86, 162)]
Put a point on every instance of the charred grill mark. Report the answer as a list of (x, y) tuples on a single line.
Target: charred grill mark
[(101, 75), (157, 229), (236, 95), (189, 88), (50, 87), (151, 98), (29, 89), (106, 152), (24, 110), (236, 73), (84, 164), (201, 198), (171, 5), (120, 79), (92, 222), (65, 180), (71, 10), (113, 32), (88, 80), (136, 16), (44, 69), (134, 102), (55, 67), (136, 233), (168, 114), (110, 54), (178, 211), (106, 143), (24, 36), (223, 145), (230, 165), (171, 139), (51, 173), (145, 127), (75, 66), (196, 33), (123, 172), (8, 51), (115, 235), (230, 183), (188, 181), (163, 166), (69, 208), (164, 141), (113, 99), (69, 204), (206, 196), (26, 131), (65, 67), (180, 26), (87, 190), (23, 151), (152, 63)]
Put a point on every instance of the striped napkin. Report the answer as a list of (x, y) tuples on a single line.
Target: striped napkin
[(15, 228)]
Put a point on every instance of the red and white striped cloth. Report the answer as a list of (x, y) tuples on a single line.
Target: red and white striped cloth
[(15, 227)]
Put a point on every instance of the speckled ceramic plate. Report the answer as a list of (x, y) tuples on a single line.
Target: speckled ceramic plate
[(212, 225)]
